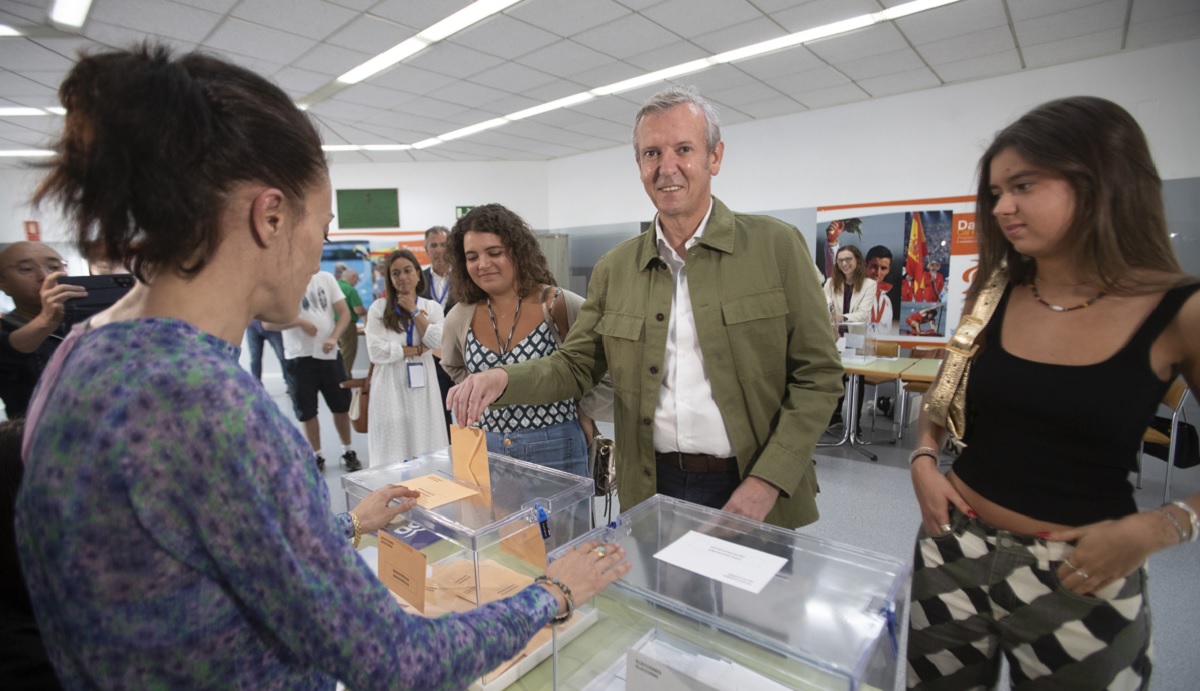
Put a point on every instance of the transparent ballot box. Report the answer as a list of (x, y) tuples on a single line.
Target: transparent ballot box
[(717, 601), (485, 544)]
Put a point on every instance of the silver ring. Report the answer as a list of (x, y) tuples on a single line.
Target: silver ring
[(946, 528), (1081, 573), (599, 549), (1070, 565)]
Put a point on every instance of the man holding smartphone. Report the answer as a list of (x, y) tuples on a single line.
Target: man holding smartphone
[(29, 335)]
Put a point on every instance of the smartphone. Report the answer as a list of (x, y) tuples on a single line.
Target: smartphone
[(103, 292)]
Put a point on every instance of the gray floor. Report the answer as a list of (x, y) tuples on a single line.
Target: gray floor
[(870, 505)]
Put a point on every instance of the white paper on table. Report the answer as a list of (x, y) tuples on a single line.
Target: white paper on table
[(724, 561), (656, 664), (644, 673)]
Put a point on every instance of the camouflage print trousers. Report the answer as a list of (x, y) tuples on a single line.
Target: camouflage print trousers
[(979, 590)]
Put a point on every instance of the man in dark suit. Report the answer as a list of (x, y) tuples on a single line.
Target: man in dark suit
[(437, 287)]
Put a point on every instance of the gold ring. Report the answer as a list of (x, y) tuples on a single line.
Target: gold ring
[(946, 528), (599, 549), (1081, 573)]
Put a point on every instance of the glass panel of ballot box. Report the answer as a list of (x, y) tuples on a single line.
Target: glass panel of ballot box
[(717, 601), (474, 542)]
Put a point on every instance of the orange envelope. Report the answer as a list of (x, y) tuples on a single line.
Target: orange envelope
[(468, 453)]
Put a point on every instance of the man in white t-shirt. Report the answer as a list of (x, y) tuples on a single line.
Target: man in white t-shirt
[(311, 357)]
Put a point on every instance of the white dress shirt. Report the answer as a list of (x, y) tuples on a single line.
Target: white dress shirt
[(687, 419), (440, 289)]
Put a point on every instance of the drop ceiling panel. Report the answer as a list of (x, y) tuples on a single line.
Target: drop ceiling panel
[(832, 96), (504, 37), (873, 40), (754, 31), (564, 59), (453, 60), (243, 38), (899, 82), (1165, 30), (568, 17), (310, 18), (376, 97), (979, 68), (410, 79), (882, 64), (1072, 23), (780, 63), (966, 46), (692, 18), (960, 18), (1023, 10), (1077, 48), (369, 34), (513, 78), (659, 57), (161, 18), (418, 13), (808, 15), (625, 37), (809, 80), (21, 12), (113, 36), (608, 73), (781, 105)]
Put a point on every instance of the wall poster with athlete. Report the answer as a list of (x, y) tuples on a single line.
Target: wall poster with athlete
[(920, 253)]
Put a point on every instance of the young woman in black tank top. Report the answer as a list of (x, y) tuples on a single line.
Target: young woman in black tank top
[(1032, 544)]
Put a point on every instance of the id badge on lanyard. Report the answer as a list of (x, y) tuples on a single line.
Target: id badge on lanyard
[(416, 370)]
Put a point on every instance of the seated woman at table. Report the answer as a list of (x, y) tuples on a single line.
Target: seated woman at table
[(504, 289), (1033, 544), (172, 527), (402, 332)]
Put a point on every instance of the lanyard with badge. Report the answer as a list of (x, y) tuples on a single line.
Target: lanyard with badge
[(445, 289), (416, 370)]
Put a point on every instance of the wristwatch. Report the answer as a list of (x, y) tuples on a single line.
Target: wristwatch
[(417, 312)]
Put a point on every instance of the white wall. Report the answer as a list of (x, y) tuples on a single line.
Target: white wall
[(916, 145), (430, 191)]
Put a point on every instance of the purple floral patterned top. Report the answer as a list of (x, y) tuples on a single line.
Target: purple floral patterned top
[(174, 533)]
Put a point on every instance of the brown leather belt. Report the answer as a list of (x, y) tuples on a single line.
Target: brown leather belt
[(696, 462)]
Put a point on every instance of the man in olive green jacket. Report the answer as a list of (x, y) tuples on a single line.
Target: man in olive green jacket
[(715, 330)]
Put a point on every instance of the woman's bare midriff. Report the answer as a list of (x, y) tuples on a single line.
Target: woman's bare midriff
[(1002, 518)]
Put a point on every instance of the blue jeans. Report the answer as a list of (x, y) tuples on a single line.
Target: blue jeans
[(706, 489), (255, 335), (560, 446)]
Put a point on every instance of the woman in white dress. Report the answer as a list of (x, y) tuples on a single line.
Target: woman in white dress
[(402, 331)]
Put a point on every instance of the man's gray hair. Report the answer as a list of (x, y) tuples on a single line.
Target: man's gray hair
[(436, 229), (339, 269), (678, 96)]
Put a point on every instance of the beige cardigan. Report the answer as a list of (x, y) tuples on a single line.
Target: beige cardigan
[(597, 404)]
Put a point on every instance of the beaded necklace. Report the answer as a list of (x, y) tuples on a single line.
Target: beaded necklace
[(1060, 308)]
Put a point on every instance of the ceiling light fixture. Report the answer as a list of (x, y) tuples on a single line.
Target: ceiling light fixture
[(387, 147), (70, 13), (467, 16), (340, 147), (572, 100), (16, 111), (26, 153), (6, 30)]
